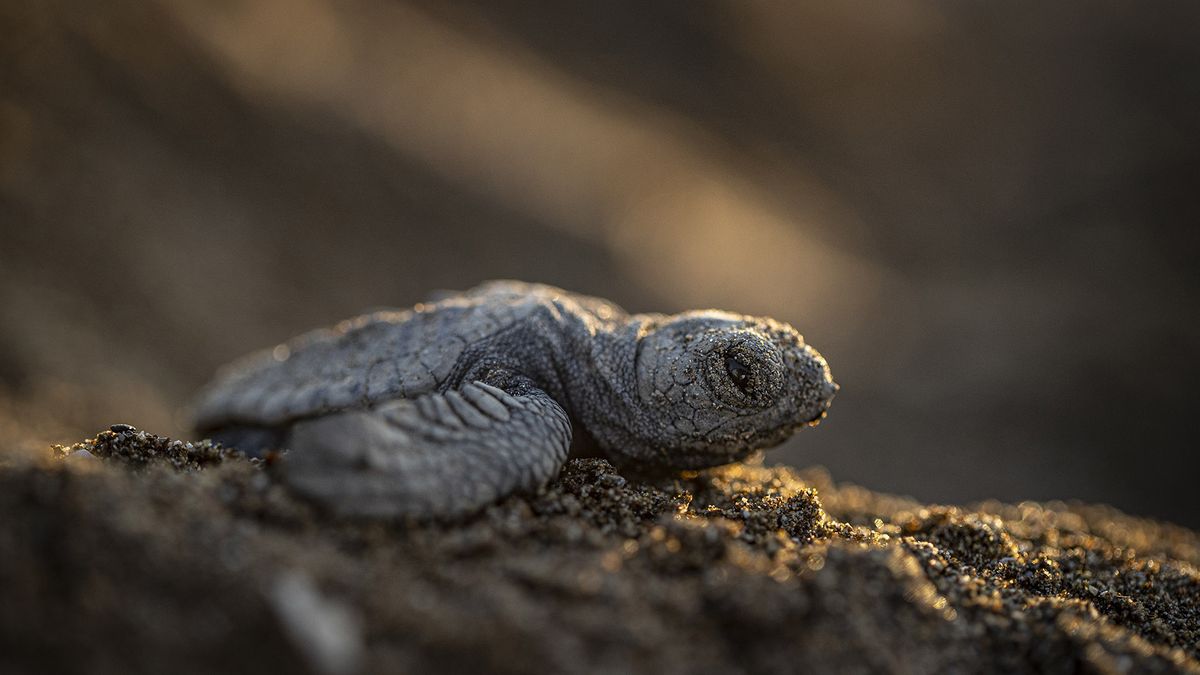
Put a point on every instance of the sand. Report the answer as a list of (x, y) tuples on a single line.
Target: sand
[(155, 555)]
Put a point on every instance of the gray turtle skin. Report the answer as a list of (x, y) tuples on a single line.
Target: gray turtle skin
[(439, 410)]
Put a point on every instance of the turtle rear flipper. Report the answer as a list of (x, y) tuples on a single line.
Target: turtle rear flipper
[(440, 455)]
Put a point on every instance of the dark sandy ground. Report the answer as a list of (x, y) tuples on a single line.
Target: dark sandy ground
[(163, 556)]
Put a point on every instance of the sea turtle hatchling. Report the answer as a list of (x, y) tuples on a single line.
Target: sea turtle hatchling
[(439, 410)]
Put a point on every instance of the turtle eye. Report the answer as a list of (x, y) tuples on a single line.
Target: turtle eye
[(739, 372)]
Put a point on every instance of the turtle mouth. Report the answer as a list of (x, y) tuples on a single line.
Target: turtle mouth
[(829, 389)]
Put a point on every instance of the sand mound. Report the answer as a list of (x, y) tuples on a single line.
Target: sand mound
[(162, 556)]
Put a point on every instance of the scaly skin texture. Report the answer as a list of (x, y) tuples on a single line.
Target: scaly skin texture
[(386, 412)]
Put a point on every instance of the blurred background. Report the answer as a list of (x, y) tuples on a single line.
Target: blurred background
[(983, 214)]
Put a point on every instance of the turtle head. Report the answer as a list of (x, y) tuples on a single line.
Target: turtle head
[(716, 386)]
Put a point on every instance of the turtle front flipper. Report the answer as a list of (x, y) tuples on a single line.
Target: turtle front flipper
[(441, 455)]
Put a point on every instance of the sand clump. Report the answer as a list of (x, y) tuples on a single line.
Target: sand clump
[(156, 555)]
